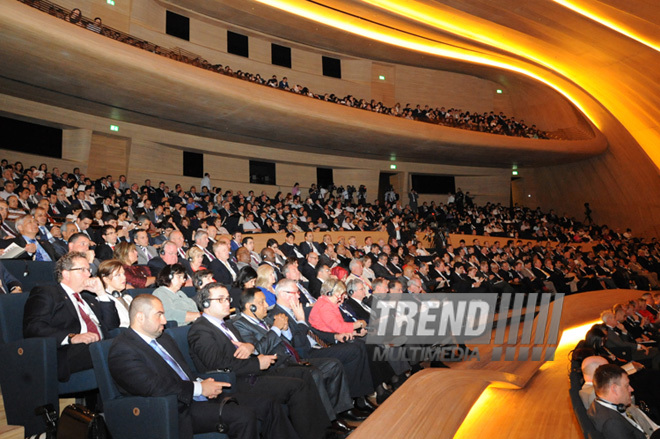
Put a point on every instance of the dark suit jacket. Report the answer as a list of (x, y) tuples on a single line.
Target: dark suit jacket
[(20, 241), (356, 309), (264, 341), (305, 248), (8, 280), (612, 424), (380, 271), (221, 273), (288, 249), (50, 313), (298, 331), (137, 369), (211, 349), (104, 252)]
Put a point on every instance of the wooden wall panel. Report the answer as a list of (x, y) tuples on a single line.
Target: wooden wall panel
[(227, 169), (486, 188), (76, 145), (445, 89), (110, 156), (383, 90), (288, 174)]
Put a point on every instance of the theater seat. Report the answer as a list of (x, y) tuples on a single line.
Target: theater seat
[(28, 370), (136, 416), (31, 273)]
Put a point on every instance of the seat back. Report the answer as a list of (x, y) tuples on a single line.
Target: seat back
[(31, 273), (11, 316), (99, 352), (190, 291), (134, 292), (28, 378), (180, 335)]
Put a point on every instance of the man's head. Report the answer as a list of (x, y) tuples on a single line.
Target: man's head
[(147, 315), (356, 267), (214, 300), (395, 287), (84, 220), (201, 238), (141, 238), (290, 271), (168, 253), (27, 226), (356, 289), (109, 235), (612, 384), (248, 242), (253, 303), (72, 270), (323, 271), (177, 238), (589, 366), (221, 249), (287, 293)]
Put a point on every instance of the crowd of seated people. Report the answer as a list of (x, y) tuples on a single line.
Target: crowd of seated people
[(626, 344), (488, 122), (291, 302)]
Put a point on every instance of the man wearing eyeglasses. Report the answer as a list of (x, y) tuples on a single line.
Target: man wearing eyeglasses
[(76, 312), (215, 344)]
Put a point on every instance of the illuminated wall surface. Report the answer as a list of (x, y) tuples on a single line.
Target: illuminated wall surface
[(562, 64)]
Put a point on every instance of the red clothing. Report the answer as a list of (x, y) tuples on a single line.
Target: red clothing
[(136, 275), (325, 316)]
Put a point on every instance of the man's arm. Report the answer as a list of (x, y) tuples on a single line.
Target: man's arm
[(39, 311), (134, 375), (210, 352)]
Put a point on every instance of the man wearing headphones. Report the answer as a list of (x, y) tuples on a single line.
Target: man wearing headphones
[(215, 344), (328, 373), (610, 411), (144, 361)]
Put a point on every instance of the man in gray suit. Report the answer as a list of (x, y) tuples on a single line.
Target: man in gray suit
[(145, 251)]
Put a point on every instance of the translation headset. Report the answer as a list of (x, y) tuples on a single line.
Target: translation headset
[(199, 282), (350, 292), (116, 294), (253, 308), (206, 303), (621, 408), (162, 251)]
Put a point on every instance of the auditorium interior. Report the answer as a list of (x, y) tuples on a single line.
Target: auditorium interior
[(581, 71)]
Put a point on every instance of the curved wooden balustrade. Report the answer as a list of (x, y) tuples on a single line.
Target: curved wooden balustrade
[(475, 399), (46, 59)]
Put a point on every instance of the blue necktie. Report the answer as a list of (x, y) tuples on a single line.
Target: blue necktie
[(40, 254), (174, 365)]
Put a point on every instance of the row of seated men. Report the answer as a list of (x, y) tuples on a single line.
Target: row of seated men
[(618, 357), (323, 376), (505, 125), (635, 262)]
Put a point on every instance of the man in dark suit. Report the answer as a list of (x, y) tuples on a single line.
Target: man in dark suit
[(309, 245), (353, 356), (74, 320), (146, 252), (168, 256), (609, 411), (357, 292), (215, 344), (106, 248), (328, 373), (289, 247), (8, 283), (143, 361), (315, 283), (223, 268), (381, 268)]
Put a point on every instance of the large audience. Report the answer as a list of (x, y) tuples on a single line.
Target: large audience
[(488, 122), (289, 303)]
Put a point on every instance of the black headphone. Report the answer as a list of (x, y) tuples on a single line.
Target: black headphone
[(198, 283), (170, 275), (350, 292), (253, 308), (116, 294), (190, 258), (222, 427), (162, 251), (621, 408), (206, 303)]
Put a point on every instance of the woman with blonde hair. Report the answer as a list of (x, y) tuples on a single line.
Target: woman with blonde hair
[(265, 280), (195, 257)]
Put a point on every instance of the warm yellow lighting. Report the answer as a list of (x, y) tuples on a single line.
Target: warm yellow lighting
[(592, 15), (571, 336), (376, 32)]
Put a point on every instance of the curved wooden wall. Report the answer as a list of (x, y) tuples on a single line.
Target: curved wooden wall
[(434, 403)]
